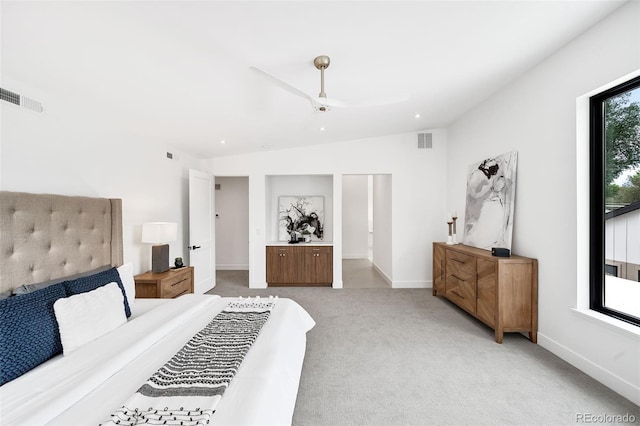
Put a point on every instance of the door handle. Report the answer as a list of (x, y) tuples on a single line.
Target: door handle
[(194, 247)]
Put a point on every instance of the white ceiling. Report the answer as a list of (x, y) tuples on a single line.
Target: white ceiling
[(179, 72)]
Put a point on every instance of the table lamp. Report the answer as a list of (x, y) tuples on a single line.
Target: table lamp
[(159, 234)]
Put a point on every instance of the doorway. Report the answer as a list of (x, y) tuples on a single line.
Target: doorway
[(366, 231), (232, 231)]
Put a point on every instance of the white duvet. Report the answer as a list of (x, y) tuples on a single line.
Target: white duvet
[(86, 386)]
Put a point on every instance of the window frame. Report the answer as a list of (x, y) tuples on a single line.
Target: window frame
[(597, 201)]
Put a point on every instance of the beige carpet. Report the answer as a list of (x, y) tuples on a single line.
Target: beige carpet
[(404, 357), (359, 273)]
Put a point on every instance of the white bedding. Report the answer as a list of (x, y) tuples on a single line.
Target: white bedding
[(86, 386)]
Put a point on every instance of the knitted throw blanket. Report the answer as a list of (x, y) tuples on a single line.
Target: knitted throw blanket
[(187, 389)]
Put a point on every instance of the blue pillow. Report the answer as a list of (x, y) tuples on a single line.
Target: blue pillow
[(29, 333), (85, 284)]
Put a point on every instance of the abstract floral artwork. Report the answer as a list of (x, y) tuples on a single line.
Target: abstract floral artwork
[(491, 186), (302, 214)]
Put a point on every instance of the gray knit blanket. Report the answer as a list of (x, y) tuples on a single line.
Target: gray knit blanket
[(187, 389)]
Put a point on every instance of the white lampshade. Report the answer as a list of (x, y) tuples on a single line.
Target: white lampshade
[(159, 232)]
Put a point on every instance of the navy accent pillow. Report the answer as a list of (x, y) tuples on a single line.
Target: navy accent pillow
[(85, 284), (29, 331)]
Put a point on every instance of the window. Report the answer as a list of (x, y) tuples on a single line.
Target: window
[(615, 202)]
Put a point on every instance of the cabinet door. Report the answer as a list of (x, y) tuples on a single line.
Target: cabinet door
[(318, 265), (438, 269), (281, 265), (274, 269), (460, 285), (487, 296), (323, 264)]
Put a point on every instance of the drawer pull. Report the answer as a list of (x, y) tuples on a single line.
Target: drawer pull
[(457, 277), (180, 294), (457, 294), (176, 283), (458, 260)]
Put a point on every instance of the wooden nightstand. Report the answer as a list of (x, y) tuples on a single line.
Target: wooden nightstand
[(165, 285)]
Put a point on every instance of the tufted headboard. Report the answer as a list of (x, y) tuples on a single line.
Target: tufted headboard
[(43, 236)]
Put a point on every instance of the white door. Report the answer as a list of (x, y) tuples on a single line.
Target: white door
[(201, 230)]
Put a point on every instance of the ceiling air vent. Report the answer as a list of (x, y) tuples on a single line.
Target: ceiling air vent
[(425, 140), (23, 101)]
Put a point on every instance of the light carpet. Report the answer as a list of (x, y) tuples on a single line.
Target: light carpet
[(404, 357)]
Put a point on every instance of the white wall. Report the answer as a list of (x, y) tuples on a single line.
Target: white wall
[(355, 216), (382, 232), (417, 190), (232, 223), (536, 115), (72, 150)]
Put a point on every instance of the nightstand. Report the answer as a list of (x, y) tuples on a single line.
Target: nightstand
[(165, 285)]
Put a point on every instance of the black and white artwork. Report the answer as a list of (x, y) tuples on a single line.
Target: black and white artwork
[(302, 214), (491, 187)]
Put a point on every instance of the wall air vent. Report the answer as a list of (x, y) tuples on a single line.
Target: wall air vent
[(23, 101), (425, 140)]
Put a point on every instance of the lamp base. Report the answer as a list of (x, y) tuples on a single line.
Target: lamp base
[(160, 258)]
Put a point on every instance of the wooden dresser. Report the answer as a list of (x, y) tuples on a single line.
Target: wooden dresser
[(502, 292), (299, 265), (165, 285)]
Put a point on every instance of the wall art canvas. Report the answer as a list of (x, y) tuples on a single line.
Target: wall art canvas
[(303, 214), (491, 188)]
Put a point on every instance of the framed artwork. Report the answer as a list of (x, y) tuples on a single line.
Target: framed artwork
[(303, 214), (491, 188)]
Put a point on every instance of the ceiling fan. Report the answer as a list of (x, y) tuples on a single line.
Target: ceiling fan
[(321, 103)]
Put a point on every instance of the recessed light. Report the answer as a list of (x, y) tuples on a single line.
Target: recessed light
[(266, 146), (322, 129), (223, 142), (417, 115)]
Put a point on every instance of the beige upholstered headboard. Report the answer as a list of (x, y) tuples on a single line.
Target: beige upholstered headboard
[(43, 236)]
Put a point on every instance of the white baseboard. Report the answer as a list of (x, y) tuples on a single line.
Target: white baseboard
[(337, 284), (401, 284), (412, 284), (232, 267), (382, 274), (607, 378), (258, 284), (355, 256)]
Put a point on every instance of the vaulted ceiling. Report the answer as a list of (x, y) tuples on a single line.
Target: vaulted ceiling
[(180, 72)]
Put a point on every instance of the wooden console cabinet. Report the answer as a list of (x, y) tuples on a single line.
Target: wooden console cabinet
[(502, 292), (165, 285), (298, 265)]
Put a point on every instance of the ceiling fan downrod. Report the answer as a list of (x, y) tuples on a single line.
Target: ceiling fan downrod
[(322, 62)]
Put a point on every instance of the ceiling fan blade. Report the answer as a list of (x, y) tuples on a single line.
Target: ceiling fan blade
[(376, 102), (283, 84), (329, 102), (335, 103)]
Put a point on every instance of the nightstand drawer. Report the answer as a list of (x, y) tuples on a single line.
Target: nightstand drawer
[(176, 286), (165, 285)]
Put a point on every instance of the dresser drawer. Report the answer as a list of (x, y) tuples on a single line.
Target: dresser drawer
[(462, 292), (176, 285), (461, 264)]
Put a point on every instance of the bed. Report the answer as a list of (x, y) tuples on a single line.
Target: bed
[(63, 241)]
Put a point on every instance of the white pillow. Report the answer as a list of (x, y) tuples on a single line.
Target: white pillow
[(86, 316), (126, 276)]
